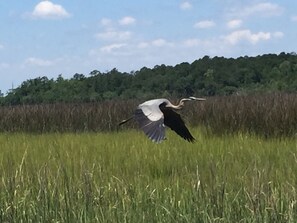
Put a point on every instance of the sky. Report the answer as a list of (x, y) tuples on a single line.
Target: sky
[(49, 38)]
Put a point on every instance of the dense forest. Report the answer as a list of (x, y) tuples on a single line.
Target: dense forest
[(204, 77)]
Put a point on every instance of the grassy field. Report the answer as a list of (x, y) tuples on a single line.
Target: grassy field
[(123, 177)]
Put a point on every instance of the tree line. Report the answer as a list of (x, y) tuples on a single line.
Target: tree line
[(206, 76)]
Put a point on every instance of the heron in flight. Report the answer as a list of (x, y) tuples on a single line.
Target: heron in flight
[(153, 115)]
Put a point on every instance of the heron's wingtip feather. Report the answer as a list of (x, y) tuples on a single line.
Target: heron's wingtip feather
[(125, 121)]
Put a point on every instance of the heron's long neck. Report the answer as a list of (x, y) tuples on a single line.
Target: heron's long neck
[(180, 105)]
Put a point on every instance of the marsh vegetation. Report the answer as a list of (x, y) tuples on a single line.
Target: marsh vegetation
[(71, 163), (123, 177)]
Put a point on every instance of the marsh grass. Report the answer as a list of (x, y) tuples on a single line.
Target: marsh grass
[(123, 177), (268, 115)]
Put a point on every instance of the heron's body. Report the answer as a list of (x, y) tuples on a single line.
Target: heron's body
[(153, 115)]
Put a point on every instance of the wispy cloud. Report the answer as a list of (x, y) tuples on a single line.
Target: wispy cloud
[(185, 6), (1, 46), (38, 62), (241, 35), (234, 24), (204, 24), (127, 20), (48, 10), (266, 9), (114, 35), (160, 42), (112, 31), (112, 47), (195, 42)]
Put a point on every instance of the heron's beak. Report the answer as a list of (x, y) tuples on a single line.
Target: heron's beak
[(197, 99)]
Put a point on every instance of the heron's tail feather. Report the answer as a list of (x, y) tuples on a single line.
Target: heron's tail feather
[(126, 120)]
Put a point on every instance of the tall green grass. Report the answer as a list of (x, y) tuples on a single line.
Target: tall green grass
[(123, 177)]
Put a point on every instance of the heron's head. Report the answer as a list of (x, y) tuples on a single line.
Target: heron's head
[(182, 101)]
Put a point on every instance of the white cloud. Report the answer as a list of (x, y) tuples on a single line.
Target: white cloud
[(48, 10), (240, 35), (110, 48), (1, 46), (204, 24), (161, 42), (113, 35), (154, 43), (38, 62), (261, 9), (185, 6), (128, 20), (235, 23)]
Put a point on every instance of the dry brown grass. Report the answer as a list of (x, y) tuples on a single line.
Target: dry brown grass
[(64, 117), (267, 115)]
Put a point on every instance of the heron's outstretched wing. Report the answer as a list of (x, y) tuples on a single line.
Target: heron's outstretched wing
[(151, 121), (175, 122)]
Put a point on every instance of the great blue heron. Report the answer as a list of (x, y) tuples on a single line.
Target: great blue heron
[(153, 115)]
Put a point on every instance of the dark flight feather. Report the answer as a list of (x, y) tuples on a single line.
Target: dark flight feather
[(155, 130), (174, 121)]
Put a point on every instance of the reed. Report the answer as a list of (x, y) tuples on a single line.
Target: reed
[(269, 115)]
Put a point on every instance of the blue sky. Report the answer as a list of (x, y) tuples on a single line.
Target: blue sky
[(48, 38)]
